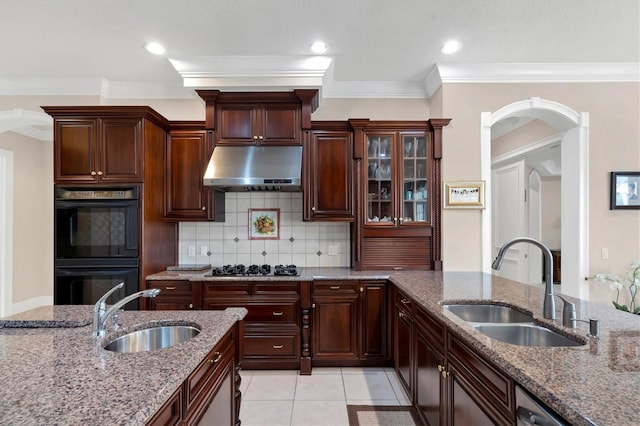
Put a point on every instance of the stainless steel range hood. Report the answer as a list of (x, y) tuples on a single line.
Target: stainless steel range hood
[(255, 168)]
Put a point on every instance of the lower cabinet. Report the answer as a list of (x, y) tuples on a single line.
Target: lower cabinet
[(175, 295), (272, 337), (211, 393), (349, 324), (447, 381)]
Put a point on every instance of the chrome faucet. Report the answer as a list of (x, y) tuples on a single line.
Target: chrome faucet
[(549, 305), (101, 315)]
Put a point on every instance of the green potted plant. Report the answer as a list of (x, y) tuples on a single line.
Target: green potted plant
[(631, 281)]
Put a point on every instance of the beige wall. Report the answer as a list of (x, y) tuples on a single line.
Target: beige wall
[(550, 207), (529, 133), (32, 216), (614, 111)]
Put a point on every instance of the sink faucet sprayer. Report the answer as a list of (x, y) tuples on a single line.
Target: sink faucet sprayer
[(101, 314), (548, 306)]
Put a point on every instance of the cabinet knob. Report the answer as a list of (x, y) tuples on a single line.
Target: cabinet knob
[(99, 173), (261, 137), (400, 314), (204, 208), (217, 358), (190, 306), (313, 209), (255, 137), (93, 173)]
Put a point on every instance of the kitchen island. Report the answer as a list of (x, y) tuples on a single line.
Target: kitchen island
[(595, 383), (62, 375)]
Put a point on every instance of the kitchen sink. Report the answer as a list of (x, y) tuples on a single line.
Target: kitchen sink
[(488, 313), (526, 335), (153, 338)]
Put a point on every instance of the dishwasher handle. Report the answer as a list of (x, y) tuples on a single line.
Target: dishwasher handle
[(527, 417)]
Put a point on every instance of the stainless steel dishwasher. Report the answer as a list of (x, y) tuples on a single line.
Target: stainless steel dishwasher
[(530, 411)]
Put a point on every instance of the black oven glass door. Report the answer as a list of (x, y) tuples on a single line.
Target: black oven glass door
[(92, 229), (84, 286)]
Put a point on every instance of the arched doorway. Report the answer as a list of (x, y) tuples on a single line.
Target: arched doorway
[(574, 186)]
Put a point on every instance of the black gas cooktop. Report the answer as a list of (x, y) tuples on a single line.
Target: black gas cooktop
[(254, 270)]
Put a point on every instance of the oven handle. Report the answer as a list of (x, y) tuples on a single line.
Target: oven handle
[(100, 270), (59, 204)]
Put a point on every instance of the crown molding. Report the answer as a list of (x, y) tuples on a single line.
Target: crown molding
[(279, 73)]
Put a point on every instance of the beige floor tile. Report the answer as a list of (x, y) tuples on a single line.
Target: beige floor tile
[(271, 387), (244, 383), (320, 387), (326, 370), (367, 386), (397, 388), (266, 413), (319, 413), (362, 370), (393, 402)]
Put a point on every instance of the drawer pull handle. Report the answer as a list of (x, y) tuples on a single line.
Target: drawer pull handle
[(400, 314), (335, 287), (278, 314), (405, 301), (278, 346), (170, 288), (217, 358)]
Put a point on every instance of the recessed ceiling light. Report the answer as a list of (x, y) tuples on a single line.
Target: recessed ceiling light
[(451, 47), (319, 47), (155, 48)]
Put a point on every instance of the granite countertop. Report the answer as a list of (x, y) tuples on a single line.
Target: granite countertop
[(64, 376), (592, 384)]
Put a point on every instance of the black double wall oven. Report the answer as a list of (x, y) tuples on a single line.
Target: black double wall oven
[(96, 244)]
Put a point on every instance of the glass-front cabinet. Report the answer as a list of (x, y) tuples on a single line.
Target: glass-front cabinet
[(397, 179)]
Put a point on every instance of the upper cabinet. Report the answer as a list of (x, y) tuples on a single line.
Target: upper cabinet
[(101, 144), (256, 118), (186, 198), (397, 199), (328, 158)]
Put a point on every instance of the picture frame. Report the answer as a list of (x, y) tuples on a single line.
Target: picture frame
[(463, 194), (264, 224), (625, 191)]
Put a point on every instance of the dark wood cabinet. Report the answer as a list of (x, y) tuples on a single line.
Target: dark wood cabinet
[(349, 323), (259, 123), (398, 195), (187, 199), (250, 118), (448, 382), (211, 393), (272, 326), (175, 295), (328, 158), (102, 144)]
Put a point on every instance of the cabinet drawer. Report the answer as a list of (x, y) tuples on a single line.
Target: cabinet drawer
[(206, 373), (283, 344), (335, 286), (404, 302), (226, 289), (492, 383), (276, 288), (171, 288), (261, 313)]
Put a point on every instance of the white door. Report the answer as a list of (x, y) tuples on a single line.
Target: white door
[(509, 218), (534, 204)]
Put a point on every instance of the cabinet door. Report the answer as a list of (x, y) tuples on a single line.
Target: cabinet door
[(403, 345), (334, 326), (121, 145), (174, 296), (374, 320), (329, 196), (429, 385), (414, 207), (237, 124), (380, 183), (280, 124), (75, 155), (186, 197)]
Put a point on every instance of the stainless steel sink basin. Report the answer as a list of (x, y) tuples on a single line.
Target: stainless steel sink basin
[(488, 313), (152, 338), (525, 335)]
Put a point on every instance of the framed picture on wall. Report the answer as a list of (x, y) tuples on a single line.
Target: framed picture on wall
[(464, 195), (625, 189), (264, 224)]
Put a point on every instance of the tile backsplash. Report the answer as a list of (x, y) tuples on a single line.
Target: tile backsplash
[(305, 244)]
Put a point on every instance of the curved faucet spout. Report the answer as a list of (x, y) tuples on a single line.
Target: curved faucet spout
[(549, 305), (100, 325)]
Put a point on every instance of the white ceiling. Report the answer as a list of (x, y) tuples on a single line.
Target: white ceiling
[(378, 48)]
